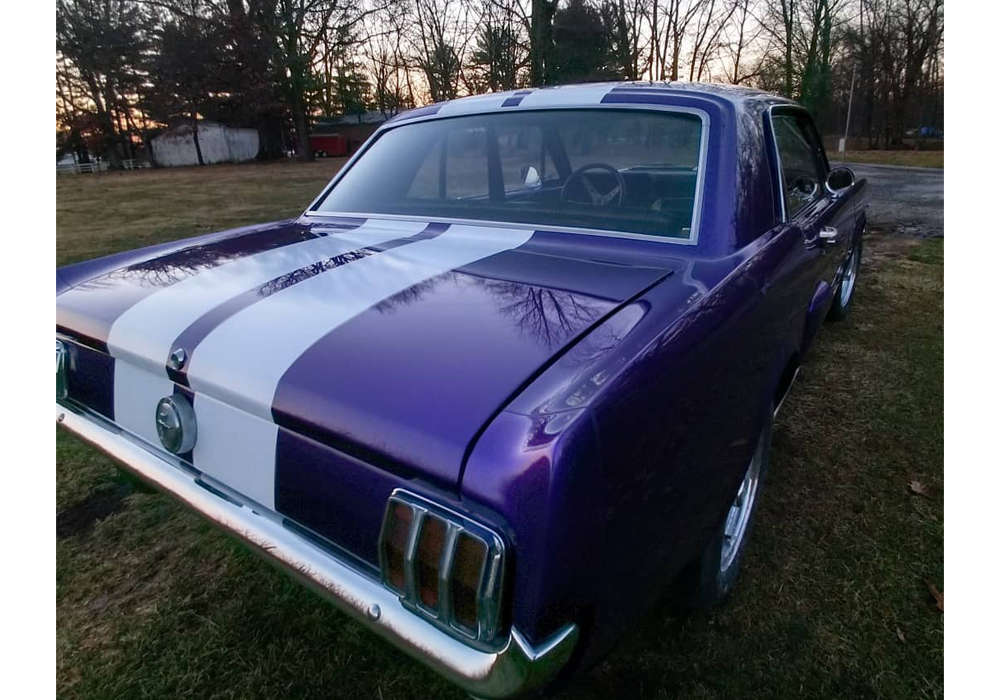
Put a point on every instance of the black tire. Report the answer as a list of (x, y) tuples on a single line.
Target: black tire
[(705, 583), (842, 306)]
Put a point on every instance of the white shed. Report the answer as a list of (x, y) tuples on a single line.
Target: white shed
[(219, 144)]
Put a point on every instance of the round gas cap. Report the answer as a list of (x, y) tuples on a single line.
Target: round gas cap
[(175, 424)]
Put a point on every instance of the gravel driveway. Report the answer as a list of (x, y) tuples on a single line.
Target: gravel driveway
[(905, 200)]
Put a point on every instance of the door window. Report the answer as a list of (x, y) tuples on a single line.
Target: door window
[(802, 169)]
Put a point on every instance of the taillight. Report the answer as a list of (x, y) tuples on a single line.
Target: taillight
[(429, 549), (467, 571), (444, 566), (395, 537)]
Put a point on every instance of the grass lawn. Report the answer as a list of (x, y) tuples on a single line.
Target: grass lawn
[(106, 213), (833, 601), (917, 159)]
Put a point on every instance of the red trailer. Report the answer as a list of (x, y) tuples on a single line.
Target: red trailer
[(324, 145)]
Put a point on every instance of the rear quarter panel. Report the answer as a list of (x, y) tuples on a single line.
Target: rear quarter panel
[(615, 466), (608, 499)]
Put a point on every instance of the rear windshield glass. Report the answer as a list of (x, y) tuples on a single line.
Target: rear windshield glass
[(628, 171)]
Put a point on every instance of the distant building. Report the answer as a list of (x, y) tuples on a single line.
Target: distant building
[(355, 128), (219, 144)]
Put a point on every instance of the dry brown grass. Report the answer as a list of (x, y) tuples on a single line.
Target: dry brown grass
[(153, 603), (916, 159), (108, 212)]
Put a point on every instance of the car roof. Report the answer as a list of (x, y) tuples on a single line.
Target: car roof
[(591, 94)]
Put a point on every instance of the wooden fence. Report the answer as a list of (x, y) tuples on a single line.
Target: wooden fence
[(98, 166)]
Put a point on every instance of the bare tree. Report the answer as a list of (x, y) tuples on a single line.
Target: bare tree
[(630, 43), (101, 45), (542, 12), (442, 37), (669, 26), (384, 54), (742, 53), (712, 18), (500, 53)]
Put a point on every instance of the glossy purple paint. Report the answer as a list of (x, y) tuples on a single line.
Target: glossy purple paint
[(594, 399), (90, 378), (97, 292), (189, 339), (489, 326)]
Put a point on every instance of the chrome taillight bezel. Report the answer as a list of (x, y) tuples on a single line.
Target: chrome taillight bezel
[(62, 387), (491, 576)]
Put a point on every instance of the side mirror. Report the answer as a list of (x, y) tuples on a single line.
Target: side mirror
[(839, 181), (531, 177)]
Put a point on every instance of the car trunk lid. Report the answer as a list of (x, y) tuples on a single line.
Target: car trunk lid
[(392, 342)]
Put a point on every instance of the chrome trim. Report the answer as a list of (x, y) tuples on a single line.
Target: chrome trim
[(737, 522), (515, 668), (62, 388), (490, 588), (177, 359), (706, 132), (499, 224), (829, 234), (788, 390), (786, 107), (175, 424), (777, 160), (837, 194)]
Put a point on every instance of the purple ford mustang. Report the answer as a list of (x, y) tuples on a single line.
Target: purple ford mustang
[(509, 375)]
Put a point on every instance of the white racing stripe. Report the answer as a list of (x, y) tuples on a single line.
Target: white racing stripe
[(570, 95), (144, 334), (137, 392), (233, 447), (236, 448), (244, 358), (469, 105)]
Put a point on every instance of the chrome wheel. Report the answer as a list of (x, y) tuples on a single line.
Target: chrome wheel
[(738, 518), (850, 275)]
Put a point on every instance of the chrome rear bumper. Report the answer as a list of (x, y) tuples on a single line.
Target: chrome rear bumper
[(516, 668)]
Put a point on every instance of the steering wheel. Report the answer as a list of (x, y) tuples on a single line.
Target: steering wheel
[(578, 177)]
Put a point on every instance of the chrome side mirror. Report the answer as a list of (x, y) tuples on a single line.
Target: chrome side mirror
[(839, 181), (531, 177)]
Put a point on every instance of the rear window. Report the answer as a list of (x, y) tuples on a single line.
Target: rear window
[(629, 171)]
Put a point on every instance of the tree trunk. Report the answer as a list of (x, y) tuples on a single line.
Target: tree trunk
[(540, 39), (788, 15), (150, 154), (269, 136), (197, 141), (107, 125), (301, 120)]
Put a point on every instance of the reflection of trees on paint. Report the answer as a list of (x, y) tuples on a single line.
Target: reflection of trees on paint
[(551, 317), (412, 294), (170, 268), (304, 273)]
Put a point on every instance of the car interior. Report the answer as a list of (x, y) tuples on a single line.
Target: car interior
[(619, 171)]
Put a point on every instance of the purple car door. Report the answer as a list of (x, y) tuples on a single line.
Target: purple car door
[(825, 221)]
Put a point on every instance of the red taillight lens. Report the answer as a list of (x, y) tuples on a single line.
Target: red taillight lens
[(444, 567), (397, 534), (466, 573), (429, 547)]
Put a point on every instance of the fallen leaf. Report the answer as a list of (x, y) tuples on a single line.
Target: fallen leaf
[(921, 489), (936, 594), (900, 636)]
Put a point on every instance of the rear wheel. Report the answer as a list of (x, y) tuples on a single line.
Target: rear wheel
[(709, 579), (844, 294)]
